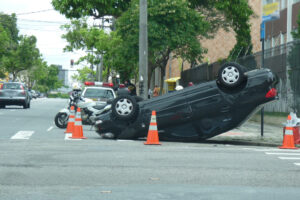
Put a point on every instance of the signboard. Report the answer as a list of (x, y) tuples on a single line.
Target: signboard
[(271, 12)]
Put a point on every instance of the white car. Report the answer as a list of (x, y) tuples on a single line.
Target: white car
[(98, 91)]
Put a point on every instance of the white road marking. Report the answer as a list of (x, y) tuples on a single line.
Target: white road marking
[(50, 128), (286, 154), (289, 158), (67, 136), (298, 164), (273, 150), (22, 135)]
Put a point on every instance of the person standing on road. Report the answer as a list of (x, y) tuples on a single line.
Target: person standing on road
[(155, 91), (150, 93)]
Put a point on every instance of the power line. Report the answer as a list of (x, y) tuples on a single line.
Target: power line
[(42, 21), (33, 12)]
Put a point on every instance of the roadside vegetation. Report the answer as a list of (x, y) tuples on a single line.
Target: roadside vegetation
[(21, 59), (174, 26)]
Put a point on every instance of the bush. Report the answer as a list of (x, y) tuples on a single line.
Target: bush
[(58, 95)]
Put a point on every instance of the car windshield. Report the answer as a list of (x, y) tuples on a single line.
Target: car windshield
[(98, 93), (12, 86)]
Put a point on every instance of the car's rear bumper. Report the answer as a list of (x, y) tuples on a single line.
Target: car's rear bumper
[(12, 101)]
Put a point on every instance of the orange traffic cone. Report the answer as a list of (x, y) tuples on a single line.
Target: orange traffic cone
[(288, 140), (78, 132), (71, 121), (153, 133)]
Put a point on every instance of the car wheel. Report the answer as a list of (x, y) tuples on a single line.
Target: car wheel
[(61, 120), (2, 106), (124, 107), (25, 105), (231, 75)]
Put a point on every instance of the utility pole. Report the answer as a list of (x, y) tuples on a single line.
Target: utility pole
[(143, 50), (262, 38)]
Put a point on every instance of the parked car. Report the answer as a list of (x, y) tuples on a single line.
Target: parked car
[(196, 112), (34, 94), (14, 93)]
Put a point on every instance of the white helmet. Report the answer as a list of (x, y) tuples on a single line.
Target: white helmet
[(76, 86), (178, 87)]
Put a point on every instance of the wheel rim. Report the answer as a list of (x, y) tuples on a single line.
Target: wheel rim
[(62, 119), (230, 75), (124, 107)]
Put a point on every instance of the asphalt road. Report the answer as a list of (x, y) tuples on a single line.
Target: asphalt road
[(38, 162)]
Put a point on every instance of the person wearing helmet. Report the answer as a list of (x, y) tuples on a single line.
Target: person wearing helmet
[(131, 87), (76, 92)]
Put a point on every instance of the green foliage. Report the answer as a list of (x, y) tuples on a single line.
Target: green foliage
[(9, 23), (84, 74), (21, 58), (95, 8), (58, 95), (46, 77), (173, 26)]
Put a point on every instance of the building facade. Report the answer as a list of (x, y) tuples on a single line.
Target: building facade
[(276, 33)]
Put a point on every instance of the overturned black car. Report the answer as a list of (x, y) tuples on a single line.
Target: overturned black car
[(196, 112)]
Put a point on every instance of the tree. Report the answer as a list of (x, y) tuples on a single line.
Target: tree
[(46, 77), (219, 13), (21, 58), (81, 36), (172, 27), (94, 8), (164, 35), (8, 38), (84, 74)]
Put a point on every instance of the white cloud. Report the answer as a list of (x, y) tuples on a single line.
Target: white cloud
[(44, 25)]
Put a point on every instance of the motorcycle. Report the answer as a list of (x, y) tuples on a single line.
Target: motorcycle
[(89, 110)]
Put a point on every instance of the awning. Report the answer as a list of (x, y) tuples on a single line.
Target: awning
[(172, 80)]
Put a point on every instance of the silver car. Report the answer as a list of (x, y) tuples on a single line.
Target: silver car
[(14, 93)]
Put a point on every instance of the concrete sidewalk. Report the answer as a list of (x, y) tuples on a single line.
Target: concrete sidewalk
[(250, 134)]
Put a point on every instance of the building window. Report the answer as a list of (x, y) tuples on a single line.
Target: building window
[(282, 4)]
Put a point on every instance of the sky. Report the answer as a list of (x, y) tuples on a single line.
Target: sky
[(38, 18)]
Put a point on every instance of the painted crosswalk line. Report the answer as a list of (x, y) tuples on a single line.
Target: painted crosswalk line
[(22, 135)]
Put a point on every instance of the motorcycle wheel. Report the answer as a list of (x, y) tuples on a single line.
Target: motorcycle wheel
[(61, 120)]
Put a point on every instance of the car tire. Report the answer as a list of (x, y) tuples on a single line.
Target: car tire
[(125, 107), (231, 75), (2, 106), (25, 105), (61, 120)]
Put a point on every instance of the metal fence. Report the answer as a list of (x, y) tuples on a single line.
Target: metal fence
[(283, 60)]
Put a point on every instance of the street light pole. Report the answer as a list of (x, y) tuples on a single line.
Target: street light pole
[(143, 50)]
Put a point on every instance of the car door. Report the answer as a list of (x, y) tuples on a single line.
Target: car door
[(171, 109)]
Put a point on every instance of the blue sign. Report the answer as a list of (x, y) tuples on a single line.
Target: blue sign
[(262, 30)]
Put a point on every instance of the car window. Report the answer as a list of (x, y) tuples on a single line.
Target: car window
[(98, 93), (12, 86)]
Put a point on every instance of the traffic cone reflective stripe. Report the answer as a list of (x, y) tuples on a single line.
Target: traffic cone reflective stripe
[(152, 137), (78, 131), (71, 121), (288, 139)]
